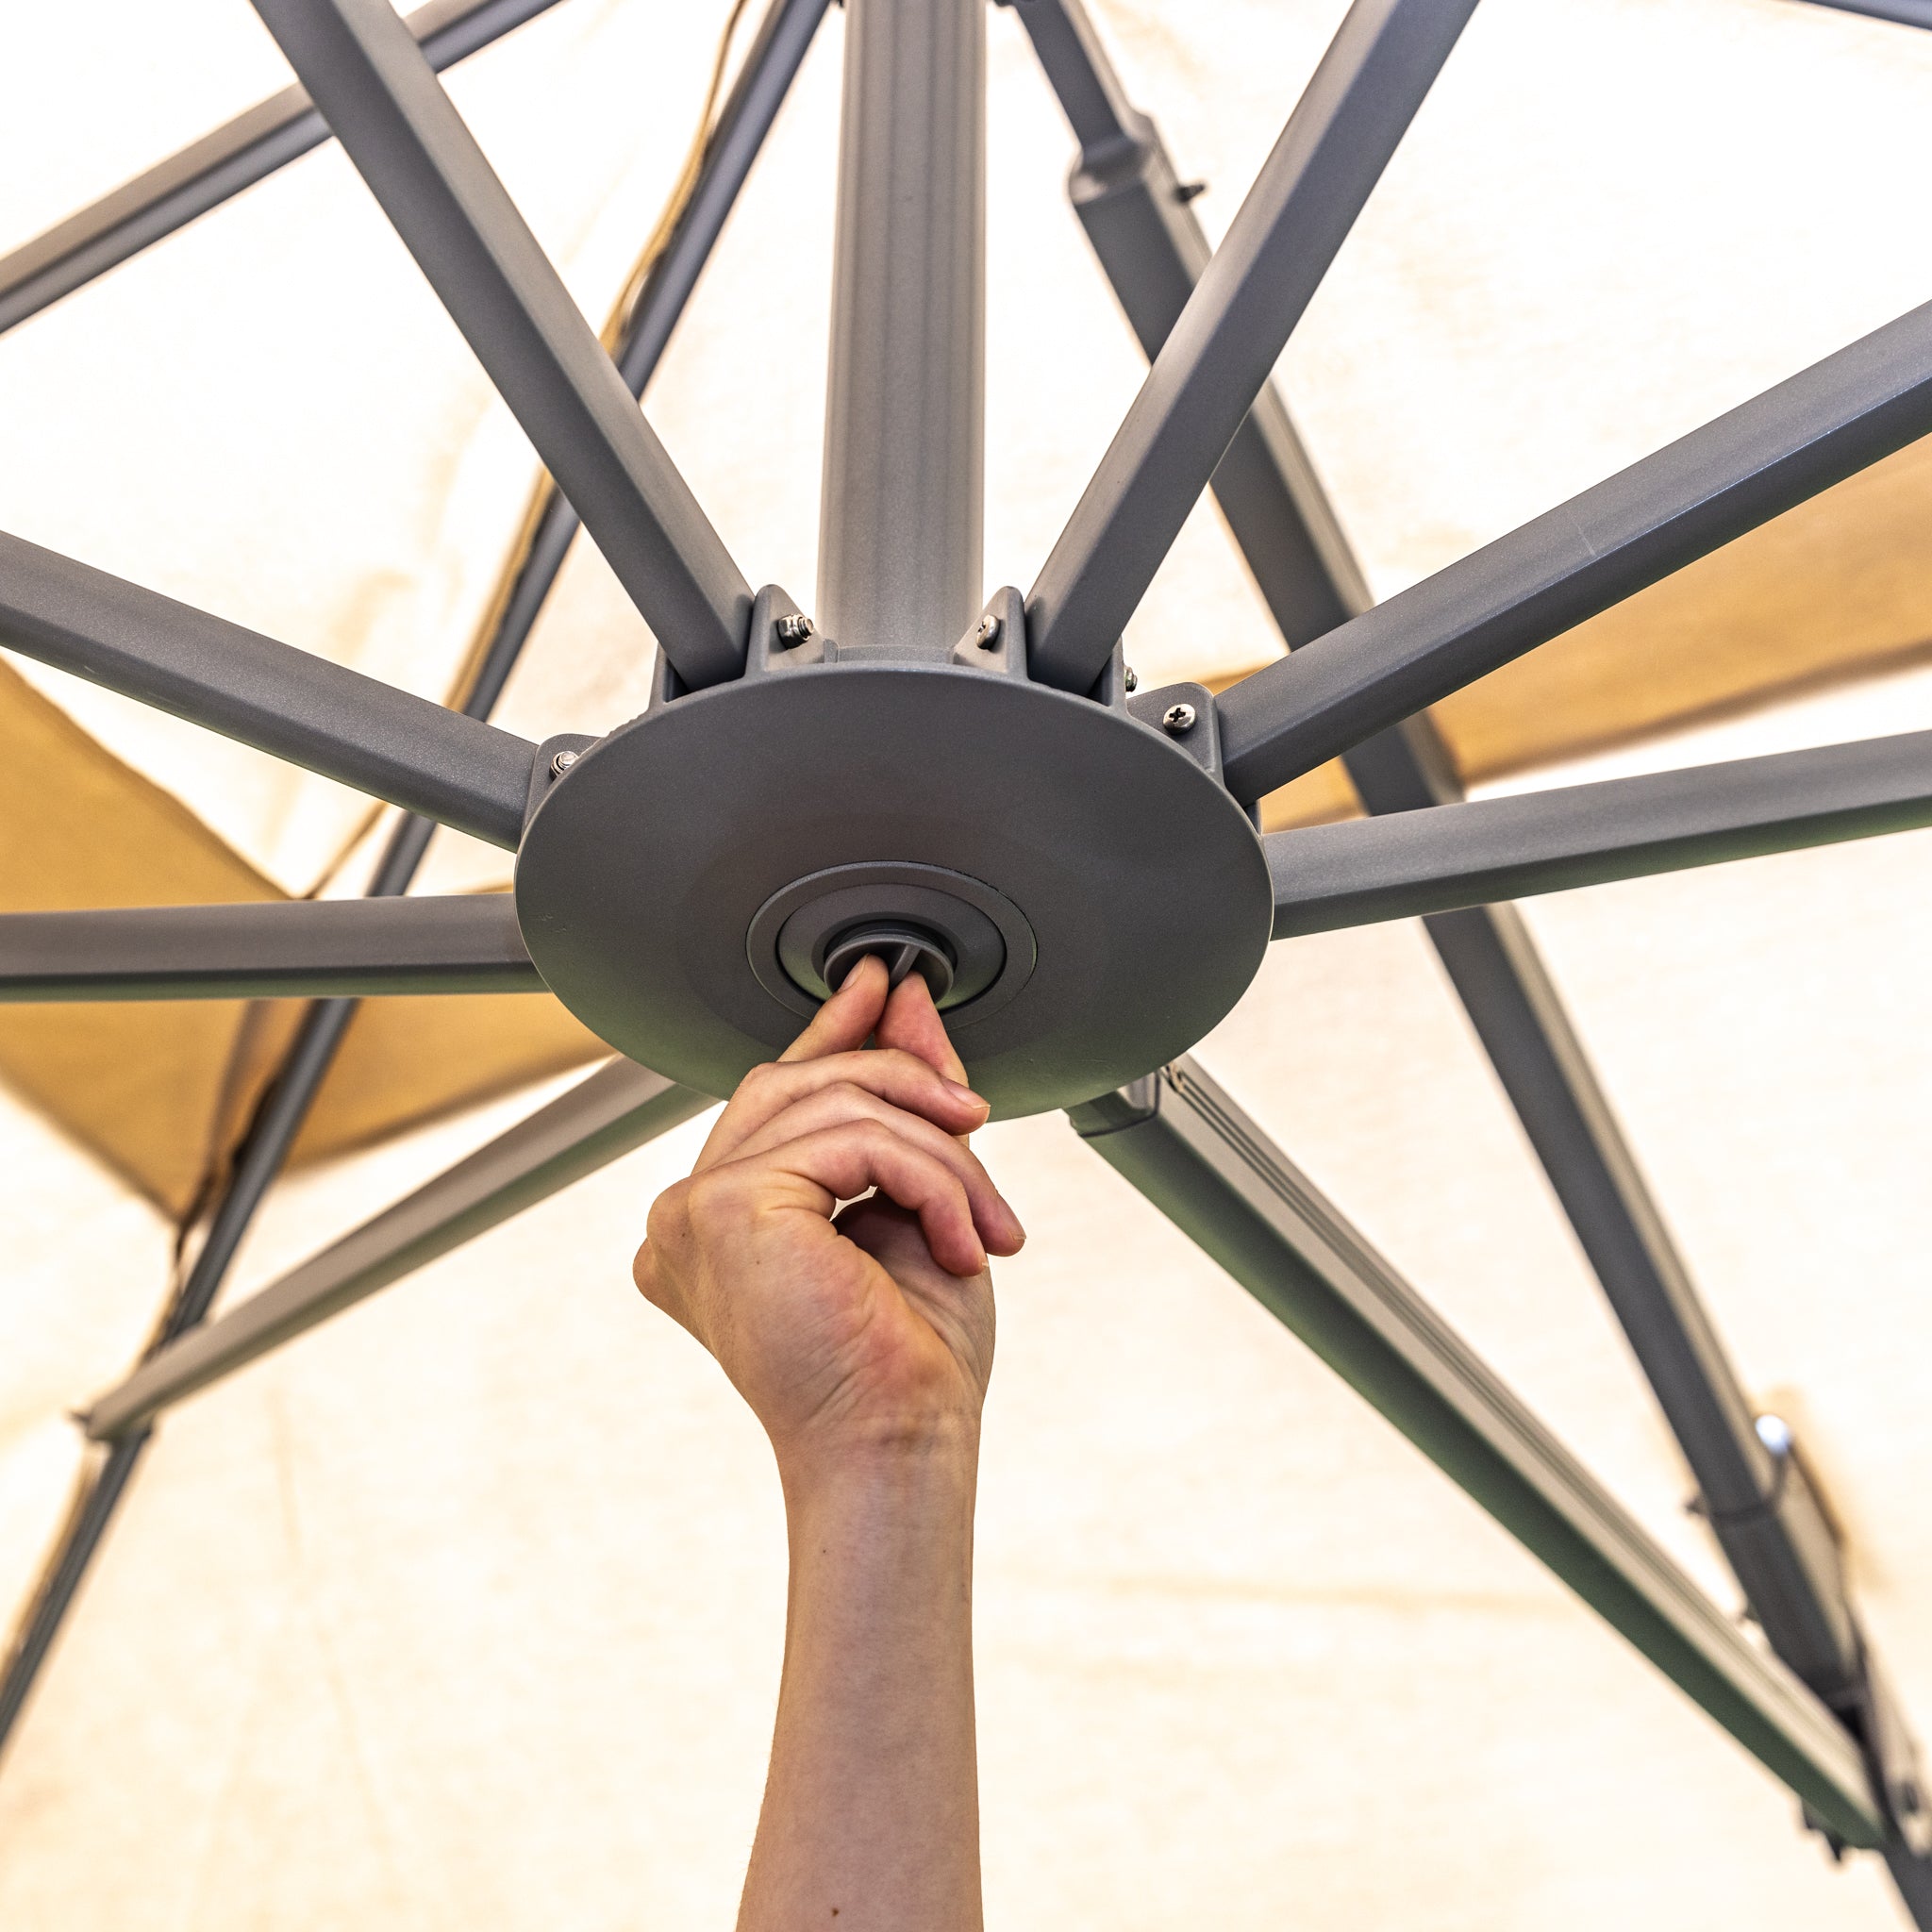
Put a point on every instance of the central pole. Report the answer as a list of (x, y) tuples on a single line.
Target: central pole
[(900, 518)]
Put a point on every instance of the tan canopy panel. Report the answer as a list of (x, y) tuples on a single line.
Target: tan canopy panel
[(1836, 589), (160, 1090)]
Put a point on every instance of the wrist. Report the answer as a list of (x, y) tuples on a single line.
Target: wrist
[(884, 1464)]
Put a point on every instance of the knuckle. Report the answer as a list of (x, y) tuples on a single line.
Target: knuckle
[(667, 1218), (761, 1078), (849, 1097), (705, 1198)]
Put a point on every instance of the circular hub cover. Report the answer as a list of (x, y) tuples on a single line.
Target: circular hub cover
[(1094, 901)]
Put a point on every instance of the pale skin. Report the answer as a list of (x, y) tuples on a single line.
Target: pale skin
[(862, 1339)]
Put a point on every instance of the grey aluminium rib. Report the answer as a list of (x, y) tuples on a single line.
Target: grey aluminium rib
[(210, 170), (764, 77), (293, 704), (1902, 12), (617, 1109), (289, 948), (1213, 364), (1140, 221), (1767, 456), (406, 140), (277, 1121), (753, 102), (91, 1510), (1187, 1147), (1416, 862), (1761, 1504), (1126, 194)]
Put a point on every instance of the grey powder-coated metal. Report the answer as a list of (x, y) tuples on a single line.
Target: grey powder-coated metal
[(987, 947), (764, 79), (277, 1120), (1150, 243), (210, 170), (298, 947), (86, 1522), (1142, 227), (1364, 870), (617, 1109), (1179, 1139), (645, 866), (769, 65), (900, 522), (1904, 13), (1687, 499), (391, 116), (1234, 327), (422, 161), (298, 707)]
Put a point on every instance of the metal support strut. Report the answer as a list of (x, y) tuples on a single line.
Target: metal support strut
[(769, 68), (1127, 193), (1184, 1144), (899, 529)]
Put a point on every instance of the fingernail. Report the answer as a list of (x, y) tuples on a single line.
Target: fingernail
[(965, 1094)]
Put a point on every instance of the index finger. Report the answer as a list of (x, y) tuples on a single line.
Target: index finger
[(848, 1018)]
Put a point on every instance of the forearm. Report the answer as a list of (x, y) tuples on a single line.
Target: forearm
[(872, 1809)]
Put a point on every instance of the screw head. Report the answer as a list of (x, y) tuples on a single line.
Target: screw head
[(1177, 719), (1775, 1433), (1131, 678), (561, 764), (987, 633), (793, 629)]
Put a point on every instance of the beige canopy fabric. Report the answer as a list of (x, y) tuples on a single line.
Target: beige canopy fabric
[(466, 1609)]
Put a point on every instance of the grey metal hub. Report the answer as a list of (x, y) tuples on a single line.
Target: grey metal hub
[(806, 936), (1087, 900)]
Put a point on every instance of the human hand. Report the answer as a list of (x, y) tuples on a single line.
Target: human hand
[(853, 1330)]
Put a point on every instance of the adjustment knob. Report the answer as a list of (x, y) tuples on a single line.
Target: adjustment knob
[(905, 948)]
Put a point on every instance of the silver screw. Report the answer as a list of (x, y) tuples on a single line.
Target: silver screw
[(1177, 718), (1131, 678), (1775, 1433), (987, 634), (794, 630), (562, 762)]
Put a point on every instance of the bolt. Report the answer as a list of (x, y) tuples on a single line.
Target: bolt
[(1776, 1434), (562, 762), (1177, 718), (987, 634), (794, 630), (1188, 190), (1131, 678)]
